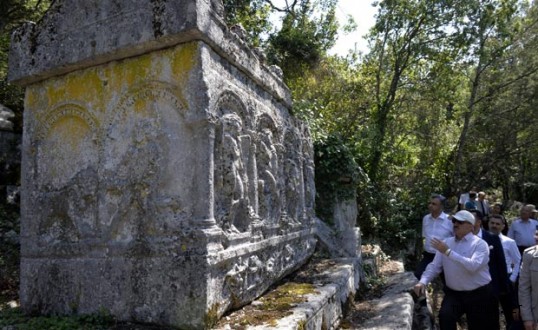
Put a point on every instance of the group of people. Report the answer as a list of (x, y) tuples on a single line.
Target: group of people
[(479, 260)]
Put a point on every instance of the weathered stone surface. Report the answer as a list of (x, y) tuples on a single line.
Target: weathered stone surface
[(163, 177), (334, 283), (77, 34), (394, 310), (345, 220)]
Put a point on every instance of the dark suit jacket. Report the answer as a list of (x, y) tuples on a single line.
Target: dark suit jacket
[(497, 264)]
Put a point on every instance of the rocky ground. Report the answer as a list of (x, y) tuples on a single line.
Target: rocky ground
[(362, 309)]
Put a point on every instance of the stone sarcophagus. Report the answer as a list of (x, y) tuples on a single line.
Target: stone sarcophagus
[(164, 179)]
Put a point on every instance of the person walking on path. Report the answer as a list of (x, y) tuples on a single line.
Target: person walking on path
[(434, 225), (522, 229), (471, 204), (508, 302), (497, 260), (464, 260), (482, 204)]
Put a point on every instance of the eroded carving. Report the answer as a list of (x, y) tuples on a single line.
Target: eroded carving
[(66, 145), (308, 173), (66, 161), (141, 176), (232, 155), (268, 171), (293, 176)]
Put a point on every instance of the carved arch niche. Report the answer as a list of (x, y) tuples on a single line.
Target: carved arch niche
[(66, 161), (293, 176), (234, 165), (308, 172), (147, 164), (268, 164)]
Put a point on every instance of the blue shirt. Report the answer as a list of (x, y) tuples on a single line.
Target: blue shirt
[(523, 232)]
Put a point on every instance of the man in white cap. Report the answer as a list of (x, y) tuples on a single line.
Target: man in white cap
[(464, 261)]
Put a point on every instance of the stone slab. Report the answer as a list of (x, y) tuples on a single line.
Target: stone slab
[(394, 310), (335, 281), (77, 34)]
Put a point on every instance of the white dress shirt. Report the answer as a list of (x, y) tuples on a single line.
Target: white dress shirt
[(440, 228), (464, 198), (523, 232), (466, 268), (512, 255)]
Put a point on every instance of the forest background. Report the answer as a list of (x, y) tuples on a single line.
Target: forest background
[(442, 99)]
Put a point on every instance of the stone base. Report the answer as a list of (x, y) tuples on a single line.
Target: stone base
[(316, 297), (163, 283)]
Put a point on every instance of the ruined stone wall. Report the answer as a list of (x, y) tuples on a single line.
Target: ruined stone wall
[(164, 179)]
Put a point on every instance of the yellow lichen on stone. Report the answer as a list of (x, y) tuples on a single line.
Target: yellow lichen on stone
[(96, 87), (273, 306), (183, 60), (212, 316)]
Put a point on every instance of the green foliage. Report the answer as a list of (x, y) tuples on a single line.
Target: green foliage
[(307, 33), (252, 15), (12, 14), (337, 175), (14, 317)]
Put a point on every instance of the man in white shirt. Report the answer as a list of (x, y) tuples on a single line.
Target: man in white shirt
[(464, 198), (482, 204), (522, 229), (434, 225), (464, 260), (513, 259), (511, 252)]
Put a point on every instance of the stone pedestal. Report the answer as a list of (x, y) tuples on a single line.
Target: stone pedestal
[(163, 178)]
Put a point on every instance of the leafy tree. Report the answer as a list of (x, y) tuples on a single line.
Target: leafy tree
[(308, 31), (252, 15), (488, 34), (12, 14), (503, 125)]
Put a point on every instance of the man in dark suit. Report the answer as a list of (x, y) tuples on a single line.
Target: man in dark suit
[(500, 280)]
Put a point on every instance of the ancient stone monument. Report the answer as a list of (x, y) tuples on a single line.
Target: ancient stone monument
[(164, 179)]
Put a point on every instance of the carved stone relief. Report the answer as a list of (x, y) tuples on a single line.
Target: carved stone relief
[(144, 183), (308, 172), (233, 156), (293, 176), (268, 171), (66, 161), (248, 272)]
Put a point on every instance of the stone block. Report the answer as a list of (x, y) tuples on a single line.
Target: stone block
[(333, 283), (163, 178), (395, 308)]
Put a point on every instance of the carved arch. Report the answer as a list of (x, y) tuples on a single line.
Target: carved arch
[(234, 165)]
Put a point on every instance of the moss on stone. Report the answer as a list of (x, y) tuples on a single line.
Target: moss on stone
[(273, 306), (212, 316), (286, 296)]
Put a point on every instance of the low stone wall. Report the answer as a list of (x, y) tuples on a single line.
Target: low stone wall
[(315, 298)]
